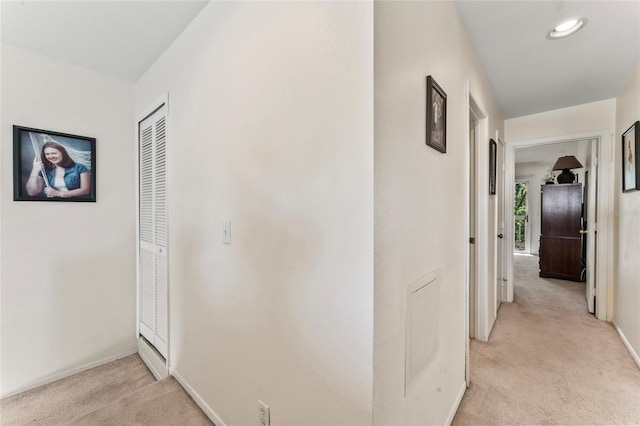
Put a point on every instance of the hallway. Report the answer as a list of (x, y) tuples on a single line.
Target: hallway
[(549, 361)]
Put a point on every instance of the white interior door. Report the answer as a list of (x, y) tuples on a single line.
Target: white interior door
[(472, 230), (591, 227), (153, 270), (500, 283)]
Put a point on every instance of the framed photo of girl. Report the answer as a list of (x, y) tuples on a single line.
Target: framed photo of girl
[(630, 161), (53, 166)]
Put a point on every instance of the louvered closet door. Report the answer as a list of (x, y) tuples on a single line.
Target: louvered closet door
[(153, 271)]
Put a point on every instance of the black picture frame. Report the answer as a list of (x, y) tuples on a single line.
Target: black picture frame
[(436, 116), (77, 154), (630, 160), (493, 151)]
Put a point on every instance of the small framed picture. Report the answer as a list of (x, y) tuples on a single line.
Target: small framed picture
[(493, 150), (436, 116), (53, 166), (630, 163)]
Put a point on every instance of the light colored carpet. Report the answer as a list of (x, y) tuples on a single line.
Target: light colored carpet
[(122, 392), (161, 403), (549, 361)]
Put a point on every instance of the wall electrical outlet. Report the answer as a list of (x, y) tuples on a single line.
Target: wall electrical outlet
[(263, 414)]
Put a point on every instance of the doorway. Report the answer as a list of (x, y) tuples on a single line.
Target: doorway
[(596, 149), (472, 226), (500, 273), (152, 239), (480, 262)]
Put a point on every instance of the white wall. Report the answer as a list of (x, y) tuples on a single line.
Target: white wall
[(591, 117), (271, 127), (421, 202), (627, 214), (67, 269)]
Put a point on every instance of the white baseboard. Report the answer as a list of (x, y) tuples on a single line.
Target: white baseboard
[(198, 399), (633, 353), (66, 373), (456, 405), (154, 362)]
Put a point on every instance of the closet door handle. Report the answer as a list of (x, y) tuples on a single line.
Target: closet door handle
[(500, 236)]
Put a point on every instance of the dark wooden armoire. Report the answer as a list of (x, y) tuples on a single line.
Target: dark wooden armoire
[(560, 237)]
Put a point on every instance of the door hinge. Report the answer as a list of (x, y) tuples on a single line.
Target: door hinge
[(472, 240)]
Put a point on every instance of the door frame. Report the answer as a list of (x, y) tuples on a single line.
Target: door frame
[(474, 109), (158, 365), (605, 190)]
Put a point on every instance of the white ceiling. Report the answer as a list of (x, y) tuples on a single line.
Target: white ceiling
[(529, 73), (119, 38)]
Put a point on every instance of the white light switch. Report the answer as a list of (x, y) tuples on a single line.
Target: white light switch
[(226, 232)]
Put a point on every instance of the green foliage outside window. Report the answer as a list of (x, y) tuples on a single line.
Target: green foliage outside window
[(520, 199), (520, 209)]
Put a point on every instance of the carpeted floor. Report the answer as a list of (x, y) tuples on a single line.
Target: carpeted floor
[(122, 392), (549, 361)]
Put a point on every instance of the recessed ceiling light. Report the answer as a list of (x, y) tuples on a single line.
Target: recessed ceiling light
[(566, 28), (566, 25)]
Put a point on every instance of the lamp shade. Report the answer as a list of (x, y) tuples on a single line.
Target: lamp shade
[(567, 162)]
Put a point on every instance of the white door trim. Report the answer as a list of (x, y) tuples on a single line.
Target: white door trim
[(605, 191)]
